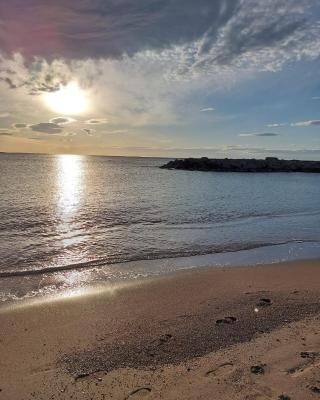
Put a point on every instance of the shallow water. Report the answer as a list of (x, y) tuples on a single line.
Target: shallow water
[(84, 213)]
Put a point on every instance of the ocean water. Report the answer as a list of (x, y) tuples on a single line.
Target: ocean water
[(68, 221)]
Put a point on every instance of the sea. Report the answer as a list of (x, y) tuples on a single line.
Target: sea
[(70, 222)]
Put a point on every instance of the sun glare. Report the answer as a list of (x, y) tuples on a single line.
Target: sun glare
[(69, 99)]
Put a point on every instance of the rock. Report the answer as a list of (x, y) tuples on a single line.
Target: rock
[(269, 164), (284, 397)]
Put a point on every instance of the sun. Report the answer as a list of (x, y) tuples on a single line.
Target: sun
[(69, 99)]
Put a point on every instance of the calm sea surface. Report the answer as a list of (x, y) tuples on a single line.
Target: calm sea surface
[(66, 221)]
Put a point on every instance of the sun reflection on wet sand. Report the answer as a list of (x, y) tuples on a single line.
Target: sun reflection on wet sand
[(108, 290)]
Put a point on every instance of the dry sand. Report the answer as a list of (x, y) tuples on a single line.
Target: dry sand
[(219, 333)]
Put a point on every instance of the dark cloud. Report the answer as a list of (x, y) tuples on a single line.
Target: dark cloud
[(37, 77), (262, 35), (110, 28), (20, 125), (46, 127), (88, 131), (9, 82), (96, 121), (62, 120), (5, 133), (264, 134), (94, 28)]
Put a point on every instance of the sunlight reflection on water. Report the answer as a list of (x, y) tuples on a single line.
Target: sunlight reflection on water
[(69, 184), (70, 190)]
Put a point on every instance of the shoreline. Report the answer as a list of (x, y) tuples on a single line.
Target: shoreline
[(166, 328), (18, 286)]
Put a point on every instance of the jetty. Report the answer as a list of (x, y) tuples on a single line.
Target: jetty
[(269, 164)]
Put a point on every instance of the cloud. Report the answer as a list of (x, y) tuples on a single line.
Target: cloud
[(46, 127), (225, 151), (5, 133), (37, 75), (145, 61), (275, 152), (316, 98), (93, 28), (276, 125), (224, 30), (88, 131), (19, 125), (4, 115), (183, 37), (115, 131), (62, 120), (264, 134), (96, 121), (207, 109), (314, 122)]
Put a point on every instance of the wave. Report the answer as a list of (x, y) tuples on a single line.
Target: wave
[(103, 263)]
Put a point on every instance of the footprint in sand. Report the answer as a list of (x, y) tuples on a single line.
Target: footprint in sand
[(257, 369), (226, 320), (311, 361), (139, 393), (310, 354), (302, 369), (262, 393), (221, 370), (264, 302)]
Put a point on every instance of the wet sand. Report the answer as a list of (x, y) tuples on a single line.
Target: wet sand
[(219, 333)]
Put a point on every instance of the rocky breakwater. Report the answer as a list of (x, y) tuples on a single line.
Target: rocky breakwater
[(269, 164)]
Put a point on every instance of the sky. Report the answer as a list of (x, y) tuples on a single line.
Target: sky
[(169, 78)]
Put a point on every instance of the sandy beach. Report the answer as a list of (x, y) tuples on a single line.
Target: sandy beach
[(214, 333)]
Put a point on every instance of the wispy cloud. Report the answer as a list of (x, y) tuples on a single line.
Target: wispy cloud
[(313, 122), (223, 151), (276, 125), (4, 115), (263, 134), (115, 131), (207, 109)]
